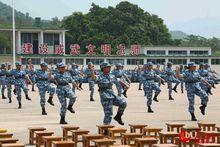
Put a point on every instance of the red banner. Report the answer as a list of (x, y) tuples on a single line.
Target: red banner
[(59, 49), (74, 49), (27, 48), (121, 50), (135, 49), (106, 49), (91, 49), (43, 49)]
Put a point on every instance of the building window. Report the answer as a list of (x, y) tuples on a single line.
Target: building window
[(198, 61), (114, 61), (156, 61), (216, 61), (178, 61), (51, 40), (199, 53), (135, 61), (30, 38), (52, 60), (177, 52), (95, 61), (77, 61), (156, 52), (35, 61)]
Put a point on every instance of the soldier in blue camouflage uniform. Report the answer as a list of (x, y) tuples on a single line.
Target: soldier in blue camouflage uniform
[(171, 78), (192, 80), (64, 90), (181, 79), (31, 73), (108, 98), (3, 80), (148, 77), (120, 74), (77, 75), (43, 80), (139, 72), (159, 73), (90, 80), (20, 77), (9, 81)]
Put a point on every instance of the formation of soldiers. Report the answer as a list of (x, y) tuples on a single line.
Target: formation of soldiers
[(64, 81)]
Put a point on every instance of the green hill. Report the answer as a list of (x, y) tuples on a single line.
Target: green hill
[(178, 35)]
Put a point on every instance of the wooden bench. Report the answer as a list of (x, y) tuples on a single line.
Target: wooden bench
[(63, 143), (210, 136), (103, 142), (209, 145), (32, 130), (192, 131), (13, 145), (165, 145), (6, 135), (49, 139), (164, 136), (8, 140), (149, 141), (40, 135), (120, 146), (134, 127), (77, 133), (88, 137), (191, 143), (218, 129), (3, 130), (151, 132), (102, 128), (114, 131), (67, 129), (207, 126), (128, 137), (172, 126)]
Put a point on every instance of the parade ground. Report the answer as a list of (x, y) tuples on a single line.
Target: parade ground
[(89, 114)]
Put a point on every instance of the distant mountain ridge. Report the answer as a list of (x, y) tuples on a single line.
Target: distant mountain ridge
[(178, 35)]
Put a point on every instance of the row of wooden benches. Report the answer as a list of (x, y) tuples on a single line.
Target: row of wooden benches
[(139, 135)]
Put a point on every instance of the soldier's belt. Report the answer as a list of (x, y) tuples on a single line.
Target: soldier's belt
[(8, 75), (104, 88), (192, 82), (63, 84), (18, 77), (43, 79)]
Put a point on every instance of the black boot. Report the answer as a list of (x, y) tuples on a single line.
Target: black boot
[(193, 117), (170, 97), (19, 105), (118, 118), (33, 89), (9, 100), (80, 86), (125, 93), (202, 108), (91, 98), (155, 98), (139, 88), (3, 96), (150, 110), (70, 108), (182, 90), (14, 91), (174, 88), (50, 100), (208, 91), (27, 97), (162, 82), (44, 111), (62, 120)]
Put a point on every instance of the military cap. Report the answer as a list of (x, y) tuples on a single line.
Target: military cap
[(105, 64), (18, 63), (60, 65), (43, 64), (190, 64)]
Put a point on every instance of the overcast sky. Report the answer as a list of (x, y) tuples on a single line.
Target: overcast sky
[(191, 16)]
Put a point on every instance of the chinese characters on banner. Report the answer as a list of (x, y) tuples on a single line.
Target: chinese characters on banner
[(59, 49), (74, 49), (27, 48), (43, 49)]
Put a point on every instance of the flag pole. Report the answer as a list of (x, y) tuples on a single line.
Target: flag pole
[(13, 23)]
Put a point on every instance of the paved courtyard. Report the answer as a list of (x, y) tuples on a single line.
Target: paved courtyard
[(89, 114)]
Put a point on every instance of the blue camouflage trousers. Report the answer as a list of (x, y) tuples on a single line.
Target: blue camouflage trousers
[(63, 92), (148, 88), (169, 84), (119, 88), (91, 87), (18, 87), (9, 83), (33, 80), (191, 97), (42, 92), (107, 105), (3, 85)]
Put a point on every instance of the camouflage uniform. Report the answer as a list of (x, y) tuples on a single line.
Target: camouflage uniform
[(3, 80), (76, 75), (19, 82), (148, 77), (192, 80), (170, 78), (31, 74), (108, 98), (44, 85), (64, 90), (9, 83)]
